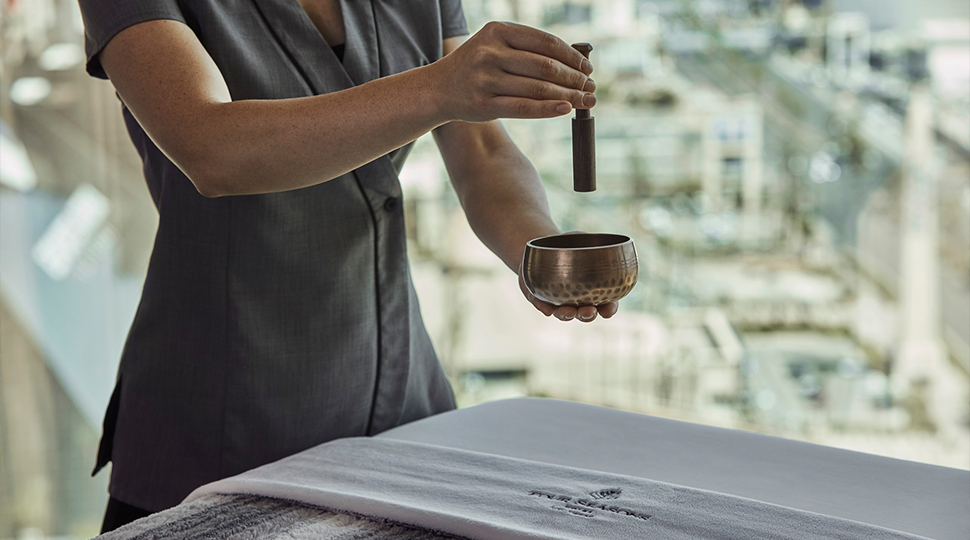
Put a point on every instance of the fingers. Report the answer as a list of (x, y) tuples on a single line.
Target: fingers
[(535, 66), (515, 107), (543, 307), (582, 313), (530, 39), (608, 310), (586, 313), (565, 313), (508, 70), (535, 89)]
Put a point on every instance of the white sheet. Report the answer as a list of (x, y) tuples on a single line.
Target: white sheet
[(485, 497), (901, 495)]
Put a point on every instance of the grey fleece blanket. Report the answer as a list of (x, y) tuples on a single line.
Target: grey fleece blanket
[(481, 496), (253, 517)]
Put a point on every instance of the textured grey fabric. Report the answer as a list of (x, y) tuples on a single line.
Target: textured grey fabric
[(248, 517), (270, 323), (901, 495), (489, 497)]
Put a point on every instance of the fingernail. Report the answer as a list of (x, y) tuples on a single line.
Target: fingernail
[(589, 100), (590, 86), (587, 67), (564, 108)]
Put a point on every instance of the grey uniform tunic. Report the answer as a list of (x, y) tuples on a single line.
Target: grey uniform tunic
[(271, 323)]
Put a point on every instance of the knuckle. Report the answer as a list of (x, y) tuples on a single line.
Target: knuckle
[(480, 101), (493, 28), (481, 56), (487, 83), (537, 90), (548, 68), (580, 81), (551, 42)]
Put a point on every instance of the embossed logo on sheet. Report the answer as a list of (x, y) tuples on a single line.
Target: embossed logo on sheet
[(608, 493), (588, 507)]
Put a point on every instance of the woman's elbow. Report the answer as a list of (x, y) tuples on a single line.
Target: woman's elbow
[(209, 189), (210, 178), (207, 186)]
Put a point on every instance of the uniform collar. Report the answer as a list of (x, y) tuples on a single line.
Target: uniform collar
[(324, 72), (318, 64), (361, 54)]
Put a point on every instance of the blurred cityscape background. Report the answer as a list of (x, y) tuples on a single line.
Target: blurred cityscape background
[(795, 174)]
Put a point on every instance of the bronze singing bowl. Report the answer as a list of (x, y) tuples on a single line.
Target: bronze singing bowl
[(580, 269)]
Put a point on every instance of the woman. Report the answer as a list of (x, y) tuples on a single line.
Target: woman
[(278, 312)]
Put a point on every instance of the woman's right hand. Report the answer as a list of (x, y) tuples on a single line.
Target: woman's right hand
[(508, 70)]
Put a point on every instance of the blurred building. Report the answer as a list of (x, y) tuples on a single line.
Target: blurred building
[(76, 228), (746, 148)]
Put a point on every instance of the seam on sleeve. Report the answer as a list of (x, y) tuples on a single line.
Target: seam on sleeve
[(453, 31)]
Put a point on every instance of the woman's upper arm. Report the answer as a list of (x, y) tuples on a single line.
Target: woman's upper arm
[(167, 80)]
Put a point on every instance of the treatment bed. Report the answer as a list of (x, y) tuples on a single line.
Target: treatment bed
[(548, 469)]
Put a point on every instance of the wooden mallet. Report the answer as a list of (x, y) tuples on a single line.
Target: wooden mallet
[(584, 143)]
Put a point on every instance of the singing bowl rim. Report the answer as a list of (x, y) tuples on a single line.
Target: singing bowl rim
[(619, 240)]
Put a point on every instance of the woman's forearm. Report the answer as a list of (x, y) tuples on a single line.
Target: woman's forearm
[(507, 216), (499, 188), (226, 147), (261, 146)]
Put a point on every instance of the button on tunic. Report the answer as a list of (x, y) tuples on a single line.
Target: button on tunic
[(271, 323)]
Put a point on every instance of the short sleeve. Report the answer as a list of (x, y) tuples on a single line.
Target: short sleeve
[(103, 19), (452, 19)]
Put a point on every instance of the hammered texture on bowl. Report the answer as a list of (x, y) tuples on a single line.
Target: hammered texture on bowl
[(580, 269)]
